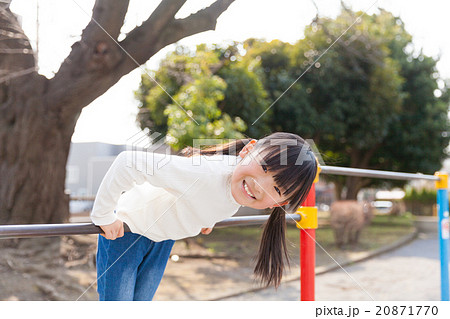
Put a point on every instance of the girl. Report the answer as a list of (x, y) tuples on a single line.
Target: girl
[(172, 197)]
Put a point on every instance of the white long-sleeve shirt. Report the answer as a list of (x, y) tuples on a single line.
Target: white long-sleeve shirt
[(166, 196)]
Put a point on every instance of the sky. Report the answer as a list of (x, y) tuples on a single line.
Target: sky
[(111, 117)]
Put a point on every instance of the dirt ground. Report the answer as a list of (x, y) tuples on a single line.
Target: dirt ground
[(63, 268)]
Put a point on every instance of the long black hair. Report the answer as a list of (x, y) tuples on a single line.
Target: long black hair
[(294, 166)]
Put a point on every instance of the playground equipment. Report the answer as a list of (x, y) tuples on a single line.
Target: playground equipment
[(441, 179), (305, 218)]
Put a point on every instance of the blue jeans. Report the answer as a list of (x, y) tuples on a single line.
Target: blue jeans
[(137, 273)]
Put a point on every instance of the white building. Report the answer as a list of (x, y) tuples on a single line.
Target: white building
[(87, 165)]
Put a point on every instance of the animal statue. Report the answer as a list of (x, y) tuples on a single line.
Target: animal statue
[(348, 218)]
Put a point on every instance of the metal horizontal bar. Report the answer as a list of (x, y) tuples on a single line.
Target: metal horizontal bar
[(252, 220), (50, 230), (336, 170), (82, 198)]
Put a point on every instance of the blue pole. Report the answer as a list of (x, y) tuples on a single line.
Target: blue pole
[(443, 232)]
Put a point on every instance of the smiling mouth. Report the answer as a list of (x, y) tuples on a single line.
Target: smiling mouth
[(247, 190)]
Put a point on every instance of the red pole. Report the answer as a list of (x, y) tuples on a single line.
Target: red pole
[(308, 254)]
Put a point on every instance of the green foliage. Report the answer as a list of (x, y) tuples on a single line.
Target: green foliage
[(367, 102), (423, 195), (245, 97), (199, 99), (271, 62), (419, 128), (214, 96), (348, 97)]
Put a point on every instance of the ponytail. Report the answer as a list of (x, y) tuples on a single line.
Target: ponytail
[(272, 250), (231, 148)]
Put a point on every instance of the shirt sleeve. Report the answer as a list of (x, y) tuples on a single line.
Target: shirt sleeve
[(176, 174)]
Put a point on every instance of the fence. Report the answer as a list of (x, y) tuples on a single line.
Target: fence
[(306, 219)]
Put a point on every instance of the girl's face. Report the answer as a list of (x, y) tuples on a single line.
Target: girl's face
[(252, 185)]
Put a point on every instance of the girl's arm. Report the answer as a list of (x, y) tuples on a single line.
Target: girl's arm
[(176, 174)]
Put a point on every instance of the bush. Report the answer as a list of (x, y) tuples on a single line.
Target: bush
[(423, 195), (420, 202)]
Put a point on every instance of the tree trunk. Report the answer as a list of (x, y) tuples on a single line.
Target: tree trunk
[(33, 153), (338, 187), (351, 184), (359, 159), (38, 115)]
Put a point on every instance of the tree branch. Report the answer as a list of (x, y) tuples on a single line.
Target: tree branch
[(96, 49), (176, 29), (95, 65), (96, 54), (110, 15), (201, 21), (144, 36)]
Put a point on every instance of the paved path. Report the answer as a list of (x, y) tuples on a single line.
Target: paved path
[(411, 272)]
